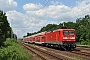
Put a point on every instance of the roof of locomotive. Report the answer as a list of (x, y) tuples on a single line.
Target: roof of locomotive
[(62, 29), (66, 29)]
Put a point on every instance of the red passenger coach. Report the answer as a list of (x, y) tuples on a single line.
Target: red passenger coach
[(40, 38), (33, 38), (30, 39), (26, 39)]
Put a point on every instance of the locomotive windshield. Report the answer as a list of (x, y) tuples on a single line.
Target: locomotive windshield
[(71, 32), (68, 32), (65, 32)]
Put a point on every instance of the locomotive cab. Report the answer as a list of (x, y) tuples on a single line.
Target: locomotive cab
[(69, 38)]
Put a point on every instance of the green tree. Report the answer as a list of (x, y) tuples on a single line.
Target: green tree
[(83, 29), (4, 27)]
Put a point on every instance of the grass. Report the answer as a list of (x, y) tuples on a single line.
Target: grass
[(13, 50), (77, 58)]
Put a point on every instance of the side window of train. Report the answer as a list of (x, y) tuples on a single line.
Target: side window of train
[(58, 32), (42, 37)]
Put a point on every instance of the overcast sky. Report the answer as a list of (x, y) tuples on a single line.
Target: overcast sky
[(31, 15)]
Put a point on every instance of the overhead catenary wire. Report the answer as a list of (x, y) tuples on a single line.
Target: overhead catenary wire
[(78, 13), (81, 11), (64, 18), (69, 16), (40, 10), (43, 7), (12, 18)]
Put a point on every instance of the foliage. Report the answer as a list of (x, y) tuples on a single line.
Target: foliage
[(13, 51), (2, 27), (83, 30), (5, 29)]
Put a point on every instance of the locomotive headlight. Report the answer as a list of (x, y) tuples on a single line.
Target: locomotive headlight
[(68, 37), (72, 37), (65, 38)]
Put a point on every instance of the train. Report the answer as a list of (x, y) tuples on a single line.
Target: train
[(63, 38)]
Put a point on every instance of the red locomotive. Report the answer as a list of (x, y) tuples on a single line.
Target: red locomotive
[(61, 38)]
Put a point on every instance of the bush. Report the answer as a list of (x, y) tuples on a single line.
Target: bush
[(13, 51), (84, 43), (2, 39), (10, 42)]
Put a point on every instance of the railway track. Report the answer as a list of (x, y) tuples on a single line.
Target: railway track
[(86, 48), (32, 50), (70, 54), (46, 54), (82, 52)]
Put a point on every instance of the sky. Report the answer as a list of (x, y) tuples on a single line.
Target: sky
[(31, 15)]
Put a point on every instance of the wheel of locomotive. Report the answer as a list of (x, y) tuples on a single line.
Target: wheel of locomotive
[(70, 49), (46, 44)]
